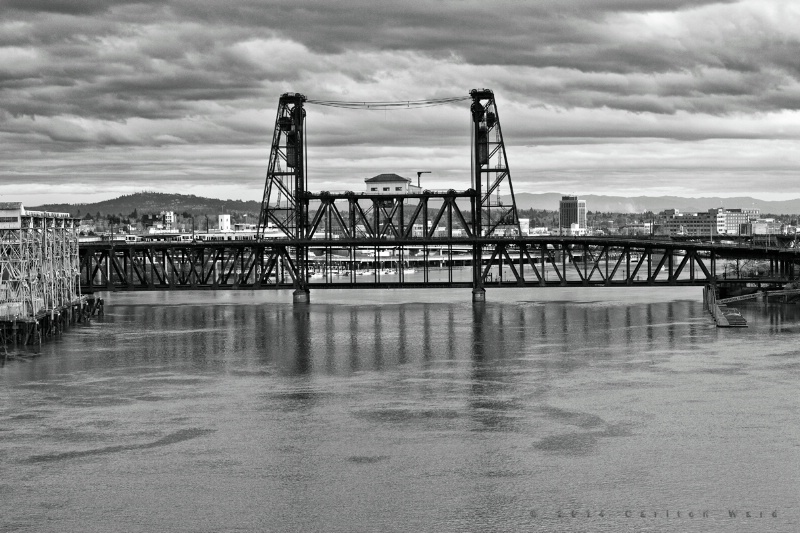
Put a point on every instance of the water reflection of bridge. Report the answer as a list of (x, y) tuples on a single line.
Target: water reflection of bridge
[(414, 263)]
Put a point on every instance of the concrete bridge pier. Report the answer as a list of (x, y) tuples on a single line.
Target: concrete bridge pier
[(478, 295), (301, 296)]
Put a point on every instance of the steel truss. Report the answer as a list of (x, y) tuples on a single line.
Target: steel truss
[(415, 263), (482, 210), (198, 265), (373, 216), (467, 238), (39, 264), (491, 175), (285, 186)]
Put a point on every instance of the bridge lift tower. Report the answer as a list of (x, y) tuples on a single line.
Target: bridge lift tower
[(286, 173), (285, 203), (491, 176)]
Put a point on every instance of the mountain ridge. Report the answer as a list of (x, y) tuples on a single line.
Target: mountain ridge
[(641, 204), (154, 202)]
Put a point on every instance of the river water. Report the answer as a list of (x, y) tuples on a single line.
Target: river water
[(558, 409)]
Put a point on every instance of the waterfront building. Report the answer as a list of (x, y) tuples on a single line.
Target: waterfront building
[(767, 226), (717, 221), (151, 220), (637, 228), (391, 184), (692, 224), (224, 222), (729, 221), (572, 216), (168, 219)]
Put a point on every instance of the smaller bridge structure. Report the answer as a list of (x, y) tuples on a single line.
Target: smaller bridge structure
[(39, 272), (761, 295)]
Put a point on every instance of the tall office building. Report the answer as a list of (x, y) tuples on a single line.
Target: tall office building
[(572, 216)]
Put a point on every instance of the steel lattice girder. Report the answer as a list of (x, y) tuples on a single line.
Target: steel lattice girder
[(390, 216), (213, 265), (511, 261), (39, 264)]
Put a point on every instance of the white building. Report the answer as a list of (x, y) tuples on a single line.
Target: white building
[(168, 219), (729, 221), (574, 230), (637, 228), (767, 226), (391, 184), (224, 222)]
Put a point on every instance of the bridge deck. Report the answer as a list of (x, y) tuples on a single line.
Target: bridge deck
[(424, 263)]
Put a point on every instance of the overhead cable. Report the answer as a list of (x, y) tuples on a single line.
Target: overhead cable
[(389, 106)]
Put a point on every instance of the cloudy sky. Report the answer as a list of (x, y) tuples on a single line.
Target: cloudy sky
[(100, 98)]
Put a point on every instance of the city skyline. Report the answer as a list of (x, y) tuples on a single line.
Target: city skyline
[(642, 98)]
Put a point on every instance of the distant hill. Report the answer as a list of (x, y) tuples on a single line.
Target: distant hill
[(640, 204), (155, 202)]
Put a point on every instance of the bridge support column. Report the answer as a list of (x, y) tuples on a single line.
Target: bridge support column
[(478, 295), (301, 296)]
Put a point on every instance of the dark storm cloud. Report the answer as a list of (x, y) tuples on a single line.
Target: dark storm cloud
[(66, 7), (565, 33), (132, 59), (542, 33)]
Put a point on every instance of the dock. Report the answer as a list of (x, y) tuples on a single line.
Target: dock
[(20, 333), (724, 316), (40, 294), (729, 317)]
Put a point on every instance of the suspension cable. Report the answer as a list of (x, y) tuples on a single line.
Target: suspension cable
[(390, 106)]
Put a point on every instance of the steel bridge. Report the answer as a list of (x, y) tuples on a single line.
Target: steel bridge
[(408, 263), (414, 239)]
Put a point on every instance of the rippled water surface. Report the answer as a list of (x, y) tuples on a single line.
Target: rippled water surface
[(406, 411)]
